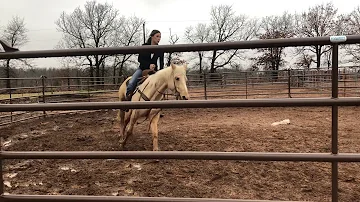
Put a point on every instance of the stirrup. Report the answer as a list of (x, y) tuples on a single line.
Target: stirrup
[(128, 97)]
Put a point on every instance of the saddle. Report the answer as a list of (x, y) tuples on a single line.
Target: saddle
[(145, 74), (7, 48)]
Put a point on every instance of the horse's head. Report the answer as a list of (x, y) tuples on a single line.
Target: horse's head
[(177, 81)]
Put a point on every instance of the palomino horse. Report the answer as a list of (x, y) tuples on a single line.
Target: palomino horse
[(152, 89)]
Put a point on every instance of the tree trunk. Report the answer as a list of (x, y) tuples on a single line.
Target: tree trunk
[(169, 60), (91, 73), (212, 67), (318, 57), (121, 70), (97, 66), (200, 63), (103, 72), (114, 74), (274, 73), (7, 73)]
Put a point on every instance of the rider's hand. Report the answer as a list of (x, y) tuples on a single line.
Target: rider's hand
[(152, 66)]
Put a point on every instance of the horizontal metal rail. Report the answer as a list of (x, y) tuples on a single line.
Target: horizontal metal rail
[(264, 43), (295, 102), (79, 198), (184, 155)]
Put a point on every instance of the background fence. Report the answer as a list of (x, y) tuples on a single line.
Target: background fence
[(292, 83)]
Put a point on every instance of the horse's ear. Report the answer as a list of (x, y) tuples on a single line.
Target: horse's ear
[(173, 66), (185, 66)]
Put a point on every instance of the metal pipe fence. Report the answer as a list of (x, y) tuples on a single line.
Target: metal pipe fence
[(334, 101)]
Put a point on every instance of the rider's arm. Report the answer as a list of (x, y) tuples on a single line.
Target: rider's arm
[(144, 61), (161, 58)]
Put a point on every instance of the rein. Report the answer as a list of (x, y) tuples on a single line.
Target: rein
[(143, 96)]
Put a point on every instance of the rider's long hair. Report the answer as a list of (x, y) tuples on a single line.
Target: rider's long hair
[(148, 42)]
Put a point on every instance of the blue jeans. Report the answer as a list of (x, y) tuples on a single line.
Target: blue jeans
[(133, 81)]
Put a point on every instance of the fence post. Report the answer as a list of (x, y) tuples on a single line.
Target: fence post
[(334, 127), (289, 83), (1, 171), (223, 80), (88, 88), (356, 82), (43, 90), (51, 86), (102, 83), (205, 93), (344, 81), (10, 100), (68, 83), (246, 85)]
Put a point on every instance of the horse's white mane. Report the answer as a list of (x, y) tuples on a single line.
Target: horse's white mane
[(162, 76), (159, 76)]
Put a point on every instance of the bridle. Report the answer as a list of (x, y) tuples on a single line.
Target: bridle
[(177, 93)]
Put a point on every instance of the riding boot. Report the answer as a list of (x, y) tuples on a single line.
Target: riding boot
[(128, 97)]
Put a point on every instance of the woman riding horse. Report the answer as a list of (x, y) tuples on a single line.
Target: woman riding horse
[(148, 61)]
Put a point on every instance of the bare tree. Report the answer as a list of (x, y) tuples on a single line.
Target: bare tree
[(89, 28), (198, 34), (328, 59), (305, 60), (130, 34), (174, 38), (227, 26), (275, 27), (15, 35), (318, 21), (352, 26)]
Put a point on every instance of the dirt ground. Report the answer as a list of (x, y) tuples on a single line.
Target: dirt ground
[(228, 129)]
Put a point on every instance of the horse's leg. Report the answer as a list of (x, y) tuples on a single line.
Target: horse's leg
[(123, 123), (118, 120), (130, 120), (154, 119)]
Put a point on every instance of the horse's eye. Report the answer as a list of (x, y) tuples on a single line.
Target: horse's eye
[(177, 78)]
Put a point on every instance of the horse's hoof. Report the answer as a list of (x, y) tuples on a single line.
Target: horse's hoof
[(122, 147)]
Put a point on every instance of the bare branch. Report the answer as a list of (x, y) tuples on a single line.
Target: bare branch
[(98, 25), (318, 21), (14, 35)]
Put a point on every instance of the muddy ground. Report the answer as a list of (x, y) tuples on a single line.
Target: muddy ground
[(228, 129)]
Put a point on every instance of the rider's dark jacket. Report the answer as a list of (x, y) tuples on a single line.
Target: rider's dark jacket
[(145, 59)]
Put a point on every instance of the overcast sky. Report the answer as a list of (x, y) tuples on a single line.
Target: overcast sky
[(40, 15)]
